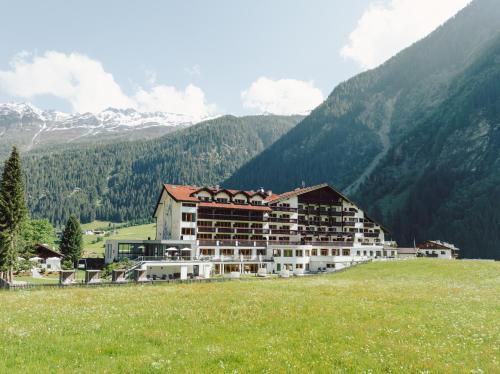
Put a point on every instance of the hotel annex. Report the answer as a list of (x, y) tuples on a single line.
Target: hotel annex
[(202, 231)]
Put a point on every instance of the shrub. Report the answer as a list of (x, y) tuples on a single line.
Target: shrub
[(67, 265)]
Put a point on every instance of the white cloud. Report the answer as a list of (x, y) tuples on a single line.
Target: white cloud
[(168, 99), (387, 27), (283, 96), (87, 87)]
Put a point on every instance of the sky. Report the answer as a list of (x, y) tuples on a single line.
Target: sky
[(200, 58)]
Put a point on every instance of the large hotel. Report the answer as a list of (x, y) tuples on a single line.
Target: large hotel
[(204, 231)]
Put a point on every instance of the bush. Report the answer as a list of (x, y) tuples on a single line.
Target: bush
[(67, 265)]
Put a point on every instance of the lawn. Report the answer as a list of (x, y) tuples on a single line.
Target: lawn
[(415, 316), (94, 248)]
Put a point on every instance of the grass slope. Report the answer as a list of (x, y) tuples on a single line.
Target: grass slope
[(94, 248), (407, 316)]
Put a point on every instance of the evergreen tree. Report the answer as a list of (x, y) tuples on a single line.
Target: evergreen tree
[(12, 213), (71, 242)]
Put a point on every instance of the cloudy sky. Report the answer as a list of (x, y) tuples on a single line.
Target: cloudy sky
[(199, 57)]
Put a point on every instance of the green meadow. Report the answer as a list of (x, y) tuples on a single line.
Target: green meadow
[(93, 246), (416, 316)]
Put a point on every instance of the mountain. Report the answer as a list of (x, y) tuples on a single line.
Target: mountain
[(414, 141), (121, 181), (31, 128)]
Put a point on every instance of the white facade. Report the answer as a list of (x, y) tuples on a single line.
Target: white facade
[(305, 230)]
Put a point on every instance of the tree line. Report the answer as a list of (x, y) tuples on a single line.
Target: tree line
[(19, 233)]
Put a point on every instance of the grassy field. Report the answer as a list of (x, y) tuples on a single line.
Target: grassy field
[(419, 316), (94, 248)]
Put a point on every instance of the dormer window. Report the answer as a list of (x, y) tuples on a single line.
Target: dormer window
[(239, 201), (204, 198), (257, 202), (222, 200)]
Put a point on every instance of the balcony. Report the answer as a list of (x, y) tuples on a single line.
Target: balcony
[(282, 220), (284, 232), (283, 209), (349, 224), (206, 229), (230, 217), (371, 235), (225, 230)]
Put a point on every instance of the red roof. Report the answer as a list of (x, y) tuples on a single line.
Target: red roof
[(261, 208), (181, 193)]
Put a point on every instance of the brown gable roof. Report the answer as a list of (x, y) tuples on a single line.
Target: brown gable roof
[(296, 192)]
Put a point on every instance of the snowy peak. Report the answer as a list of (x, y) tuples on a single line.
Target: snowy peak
[(109, 117), (29, 127)]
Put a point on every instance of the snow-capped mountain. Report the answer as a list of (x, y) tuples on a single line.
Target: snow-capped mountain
[(29, 127)]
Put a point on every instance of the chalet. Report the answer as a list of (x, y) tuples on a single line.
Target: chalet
[(47, 257), (437, 249)]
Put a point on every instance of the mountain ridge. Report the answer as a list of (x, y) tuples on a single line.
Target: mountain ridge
[(342, 141)]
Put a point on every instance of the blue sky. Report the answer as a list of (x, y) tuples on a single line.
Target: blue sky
[(200, 57)]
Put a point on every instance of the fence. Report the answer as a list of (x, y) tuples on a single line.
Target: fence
[(152, 282)]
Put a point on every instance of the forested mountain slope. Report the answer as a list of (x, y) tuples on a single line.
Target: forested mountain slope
[(121, 181), (424, 93)]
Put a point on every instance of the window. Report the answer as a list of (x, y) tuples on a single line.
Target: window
[(222, 200), (240, 224), (314, 252), (278, 267), (204, 223), (261, 252), (299, 253), (443, 252), (188, 217), (208, 251), (227, 252), (330, 266), (308, 253), (189, 204), (345, 252), (288, 253), (239, 201), (324, 252), (299, 266), (187, 231)]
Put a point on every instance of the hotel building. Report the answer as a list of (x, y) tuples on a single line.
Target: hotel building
[(202, 231)]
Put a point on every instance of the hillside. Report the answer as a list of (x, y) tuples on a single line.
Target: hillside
[(120, 182), (418, 316), (415, 141)]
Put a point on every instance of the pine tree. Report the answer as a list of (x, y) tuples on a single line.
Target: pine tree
[(12, 213), (71, 242)]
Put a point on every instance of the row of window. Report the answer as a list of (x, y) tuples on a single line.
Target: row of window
[(312, 252), (232, 252)]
